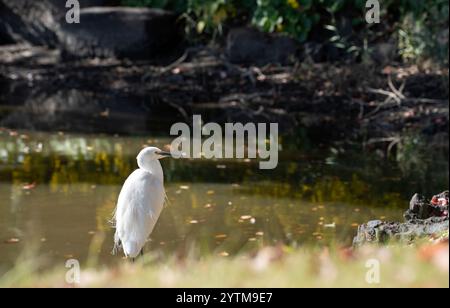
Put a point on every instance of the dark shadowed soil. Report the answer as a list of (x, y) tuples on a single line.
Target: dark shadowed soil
[(344, 102)]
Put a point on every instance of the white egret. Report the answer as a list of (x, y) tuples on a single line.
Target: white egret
[(140, 203)]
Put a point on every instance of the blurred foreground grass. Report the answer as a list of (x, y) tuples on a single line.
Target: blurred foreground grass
[(424, 265)]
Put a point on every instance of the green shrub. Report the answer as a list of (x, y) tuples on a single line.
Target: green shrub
[(418, 23), (423, 32)]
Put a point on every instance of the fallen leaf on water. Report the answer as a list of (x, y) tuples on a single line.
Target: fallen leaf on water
[(184, 187), (193, 221), (221, 236), (29, 186), (259, 233), (224, 254), (12, 241), (354, 225), (210, 192), (246, 217), (105, 114)]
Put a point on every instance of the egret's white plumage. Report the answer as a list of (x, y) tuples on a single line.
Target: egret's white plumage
[(140, 203)]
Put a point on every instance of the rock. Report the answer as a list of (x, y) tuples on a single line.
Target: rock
[(409, 231), (419, 208), (28, 21), (374, 223), (135, 33), (422, 219), (35, 22), (61, 4), (250, 46)]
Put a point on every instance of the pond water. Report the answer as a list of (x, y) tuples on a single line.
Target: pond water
[(59, 190)]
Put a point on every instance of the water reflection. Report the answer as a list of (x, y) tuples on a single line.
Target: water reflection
[(61, 190)]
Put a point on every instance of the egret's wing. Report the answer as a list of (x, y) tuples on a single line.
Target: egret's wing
[(139, 206)]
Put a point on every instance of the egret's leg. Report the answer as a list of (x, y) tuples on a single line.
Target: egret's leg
[(142, 252)]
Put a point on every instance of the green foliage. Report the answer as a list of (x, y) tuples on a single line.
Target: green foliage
[(291, 16), (208, 16), (295, 17), (423, 32), (419, 24)]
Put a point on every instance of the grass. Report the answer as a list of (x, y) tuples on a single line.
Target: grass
[(423, 265)]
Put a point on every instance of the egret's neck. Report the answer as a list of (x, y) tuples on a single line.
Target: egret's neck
[(153, 167)]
